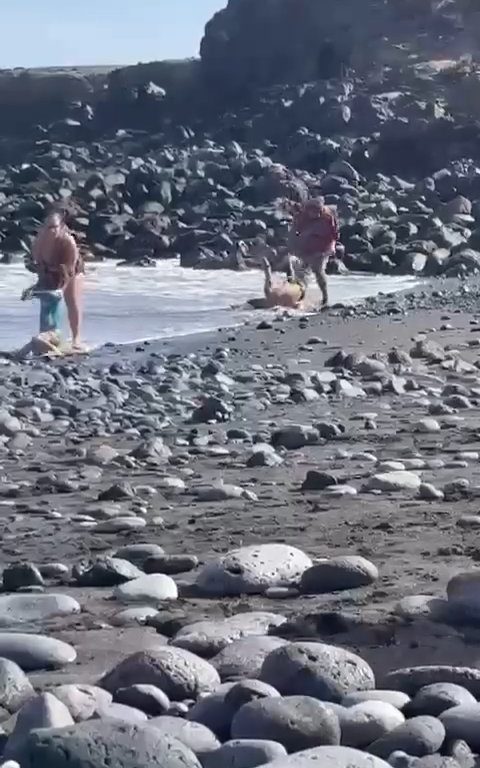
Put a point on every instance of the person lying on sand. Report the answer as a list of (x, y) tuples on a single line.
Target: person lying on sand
[(288, 293), (46, 344)]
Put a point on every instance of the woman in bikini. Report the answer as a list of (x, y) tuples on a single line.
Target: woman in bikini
[(57, 259)]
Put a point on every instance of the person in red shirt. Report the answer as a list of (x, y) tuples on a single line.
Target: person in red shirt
[(314, 237)]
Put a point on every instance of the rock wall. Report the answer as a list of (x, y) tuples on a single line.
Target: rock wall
[(252, 43)]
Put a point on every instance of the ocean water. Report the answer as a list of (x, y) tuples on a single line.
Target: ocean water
[(128, 304)]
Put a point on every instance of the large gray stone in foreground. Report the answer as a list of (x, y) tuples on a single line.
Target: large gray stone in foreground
[(397, 699), (178, 673), (297, 722), (83, 701), (209, 637), (215, 711), (197, 737), (364, 723), (420, 736), (463, 722), (101, 743), (15, 687), (244, 657), (34, 608), (411, 679), (329, 757), (252, 570), (43, 711), (435, 699), (316, 669), (244, 753), (33, 652)]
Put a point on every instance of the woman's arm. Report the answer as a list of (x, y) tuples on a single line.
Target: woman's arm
[(70, 258)]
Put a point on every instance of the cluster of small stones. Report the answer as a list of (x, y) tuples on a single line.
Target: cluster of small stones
[(237, 690)]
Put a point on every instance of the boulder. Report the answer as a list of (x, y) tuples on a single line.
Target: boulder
[(107, 572), (464, 595), (436, 698), (178, 673), (337, 573), (243, 658), (296, 722), (329, 757), (253, 570), (411, 679), (420, 736), (207, 638), (368, 721), (42, 711), (316, 669), (195, 736), (34, 608), (83, 701), (393, 482), (463, 722), (15, 687), (395, 698), (32, 652), (147, 698), (244, 753), (152, 588), (98, 743)]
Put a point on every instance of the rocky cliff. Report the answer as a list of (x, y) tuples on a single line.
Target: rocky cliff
[(252, 43)]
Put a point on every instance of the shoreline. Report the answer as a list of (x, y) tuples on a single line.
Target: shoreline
[(179, 449)]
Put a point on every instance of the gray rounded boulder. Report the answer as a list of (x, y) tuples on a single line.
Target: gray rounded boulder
[(82, 701), (436, 698), (32, 652), (215, 712), (42, 711), (411, 679), (397, 699), (208, 638), (15, 687), (329, 757), (98, 743), (252, 570), (420, 736), (34, 608), (297, 722), (463, 722), (316, 669), (197, 737), (178, 673), (244, 753), (244, 657), (364, 723), (338, 573)]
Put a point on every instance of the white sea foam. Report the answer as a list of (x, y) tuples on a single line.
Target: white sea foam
[(124, 304)]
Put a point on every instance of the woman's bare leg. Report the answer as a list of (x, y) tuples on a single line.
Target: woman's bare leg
[(268, 277), (73, 294), (320, 271)]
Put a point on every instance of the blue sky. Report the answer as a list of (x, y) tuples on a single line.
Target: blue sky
[(37, 33)]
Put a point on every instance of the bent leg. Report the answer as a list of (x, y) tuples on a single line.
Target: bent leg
[(320, 271)]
